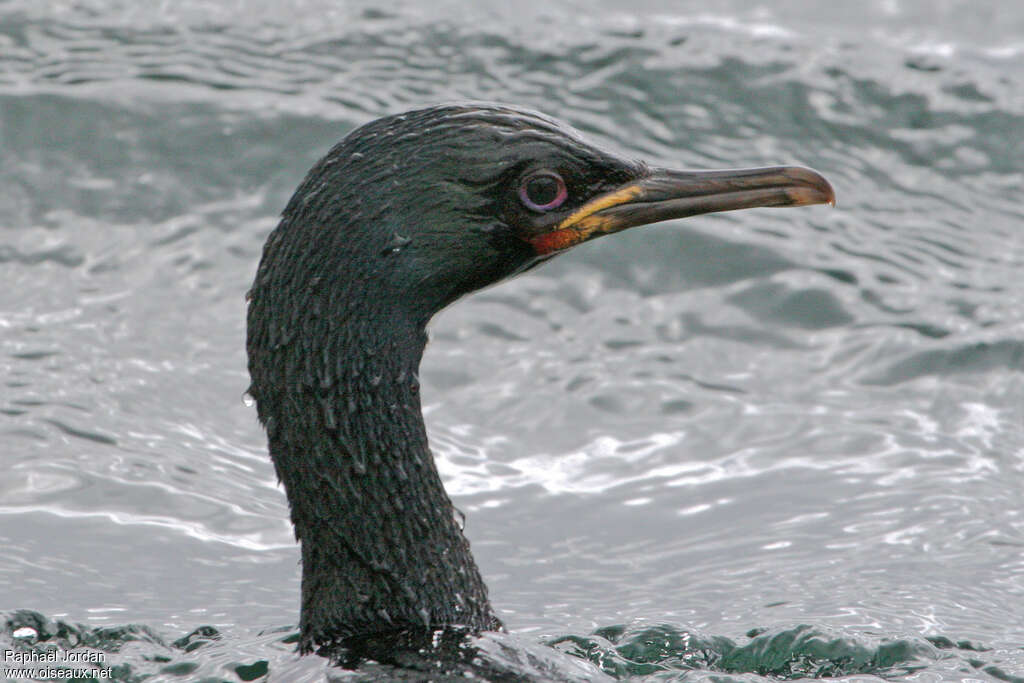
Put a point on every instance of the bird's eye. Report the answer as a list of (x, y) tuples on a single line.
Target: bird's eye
[(543, 191)]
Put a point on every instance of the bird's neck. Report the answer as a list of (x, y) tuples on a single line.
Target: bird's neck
[(381, 549)]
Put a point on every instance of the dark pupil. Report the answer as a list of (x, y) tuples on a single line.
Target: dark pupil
[(542, 191)]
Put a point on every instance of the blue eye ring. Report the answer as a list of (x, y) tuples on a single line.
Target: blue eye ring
[(543, 191)]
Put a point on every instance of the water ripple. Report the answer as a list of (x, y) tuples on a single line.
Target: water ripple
[(766, 417)]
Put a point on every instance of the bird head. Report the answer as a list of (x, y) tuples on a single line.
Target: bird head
[(420, 208)]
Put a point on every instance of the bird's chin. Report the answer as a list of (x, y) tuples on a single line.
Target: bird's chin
[(665, 194), (530, 264)]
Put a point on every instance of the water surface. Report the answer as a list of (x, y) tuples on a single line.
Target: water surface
[(762, 444)]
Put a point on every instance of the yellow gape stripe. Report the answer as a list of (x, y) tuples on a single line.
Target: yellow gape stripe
[(576, 228), (620, 196)]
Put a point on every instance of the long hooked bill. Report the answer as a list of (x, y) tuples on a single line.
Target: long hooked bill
[(666, 194)]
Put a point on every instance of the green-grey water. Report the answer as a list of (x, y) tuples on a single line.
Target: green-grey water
[(750, 446)]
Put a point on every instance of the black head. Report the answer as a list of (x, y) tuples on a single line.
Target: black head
[(417, 209), (423, 207)]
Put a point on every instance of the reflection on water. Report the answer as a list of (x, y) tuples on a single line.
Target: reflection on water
[(782, 443)]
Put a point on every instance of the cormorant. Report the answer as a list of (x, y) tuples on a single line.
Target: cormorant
[(401, 218)]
